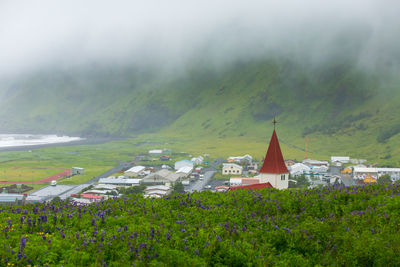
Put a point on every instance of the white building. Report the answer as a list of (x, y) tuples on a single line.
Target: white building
[(393, 172), (340, 159), (361, 173), (240, 159), (186, 171), (299, 169), (311, 162), (157, 191), (274, 170), (231, 168), (197, 161), (183, 163), (135, 171), (120, 181), (155, 152), (319, 169)]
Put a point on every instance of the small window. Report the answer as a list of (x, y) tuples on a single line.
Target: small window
[(282, 177)]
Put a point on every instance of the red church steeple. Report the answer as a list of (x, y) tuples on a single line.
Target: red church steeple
[(274, 162)]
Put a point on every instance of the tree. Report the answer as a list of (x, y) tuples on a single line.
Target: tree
[(302, 181), (385, 179), (179, 188), (133, 189)]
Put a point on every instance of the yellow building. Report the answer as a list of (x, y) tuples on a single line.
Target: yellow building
[(347, 171), (369, 180)]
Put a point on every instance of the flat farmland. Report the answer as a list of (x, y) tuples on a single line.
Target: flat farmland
[(25, 174)]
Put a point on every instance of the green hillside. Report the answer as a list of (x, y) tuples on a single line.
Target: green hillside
[(342, 109)]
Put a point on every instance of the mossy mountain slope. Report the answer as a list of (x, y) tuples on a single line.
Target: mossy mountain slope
[(345, 108)]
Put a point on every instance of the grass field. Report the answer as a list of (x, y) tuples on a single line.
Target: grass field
[(22, 174)]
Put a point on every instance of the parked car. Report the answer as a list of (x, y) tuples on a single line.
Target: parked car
[(207, 186)]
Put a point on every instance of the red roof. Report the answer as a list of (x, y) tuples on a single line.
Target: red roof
[(251, 186), (274, 162), (90, 196)]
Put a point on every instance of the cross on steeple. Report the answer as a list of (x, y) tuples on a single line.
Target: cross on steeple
[(274, 122)]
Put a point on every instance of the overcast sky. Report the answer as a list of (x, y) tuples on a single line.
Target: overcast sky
[(42, 33)]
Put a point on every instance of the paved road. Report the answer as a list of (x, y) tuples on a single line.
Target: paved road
[(198, 185)]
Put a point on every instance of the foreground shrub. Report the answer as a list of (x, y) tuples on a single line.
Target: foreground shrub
[(329, 226)]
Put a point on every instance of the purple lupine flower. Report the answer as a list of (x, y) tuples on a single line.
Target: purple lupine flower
[(167, 236), (22, 243)]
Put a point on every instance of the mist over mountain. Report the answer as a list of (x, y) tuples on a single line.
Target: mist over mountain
[(173, 34), (220, 68)]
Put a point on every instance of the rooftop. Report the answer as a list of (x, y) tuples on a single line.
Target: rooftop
[(273, 162)]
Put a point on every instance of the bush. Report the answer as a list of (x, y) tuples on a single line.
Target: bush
[(335, 226)]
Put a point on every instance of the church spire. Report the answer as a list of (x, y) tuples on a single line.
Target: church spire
[(273, 162)]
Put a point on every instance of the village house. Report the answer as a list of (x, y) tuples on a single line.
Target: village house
[(240, 159), (299, 169), (92, 198), (340, 159), (135, 171), (155, 152), (289, 162), (197, 160), (157, 191), (252, 166), (119, 181), (311, 162), (360, 173), (363, 172), (164, 176), (165, 158), (12, 199), (183, 163), (159, 177), (231, 168), (186, 171)]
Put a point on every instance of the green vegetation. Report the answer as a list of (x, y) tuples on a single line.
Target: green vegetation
[(179, 188), (301, 182), (385, 179), (343, 110), (132, 189), (357, 226), (22, 174)]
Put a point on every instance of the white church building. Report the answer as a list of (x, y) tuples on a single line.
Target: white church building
[(274, 170)]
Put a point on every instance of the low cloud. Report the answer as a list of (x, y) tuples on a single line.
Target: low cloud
[(172, 34)]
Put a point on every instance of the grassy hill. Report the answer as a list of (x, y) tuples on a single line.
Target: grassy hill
[(342, 109)]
